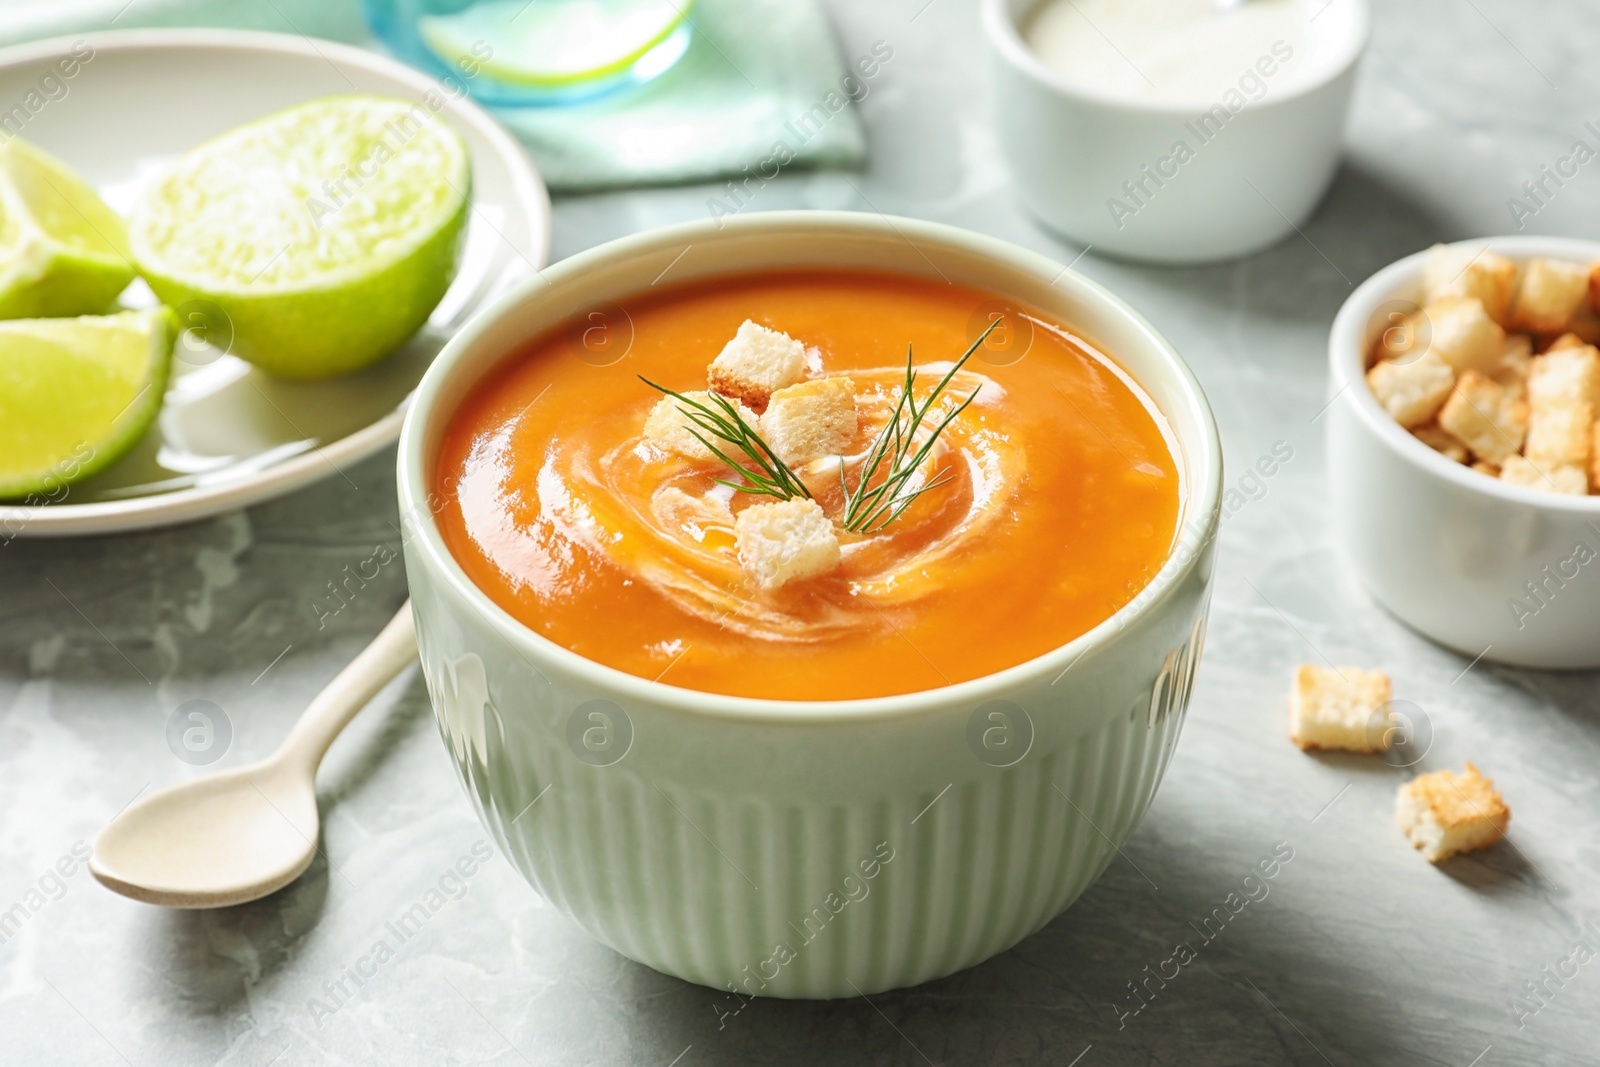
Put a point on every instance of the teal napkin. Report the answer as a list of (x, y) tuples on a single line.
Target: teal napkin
[(762, 88), (31, 20)]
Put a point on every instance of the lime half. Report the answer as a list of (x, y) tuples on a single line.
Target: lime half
[(62, 251), (77, 394), (326, 233), (552, 43)]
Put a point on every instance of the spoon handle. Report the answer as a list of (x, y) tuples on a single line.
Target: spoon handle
[(389, 653)]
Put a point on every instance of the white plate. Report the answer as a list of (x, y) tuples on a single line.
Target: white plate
[(230, 435)]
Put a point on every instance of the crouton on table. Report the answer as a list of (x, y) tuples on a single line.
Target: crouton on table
[(1344, 709), (1445, 813)]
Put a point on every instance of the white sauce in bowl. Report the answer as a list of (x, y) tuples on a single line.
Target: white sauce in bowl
[(1182, 52)]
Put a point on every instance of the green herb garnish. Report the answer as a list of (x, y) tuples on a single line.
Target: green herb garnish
[(768, 475), (869, 508)]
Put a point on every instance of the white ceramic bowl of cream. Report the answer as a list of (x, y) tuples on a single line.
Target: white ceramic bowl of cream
[(810, 848), (1212, 142), (1486, 568)]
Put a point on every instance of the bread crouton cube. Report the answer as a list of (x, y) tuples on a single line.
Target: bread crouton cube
[(1560, 434), (812, 419), (1517, 351), (1442, 442), (1520, 470), (1471, 272), (1585, 324), (1490, 469), (1573, 481), (1401, 338), (1511, 369), (1484, 418), (757, 363), (1565, 374), (785, 541), (1347, 709), (1551, 290), (1566, 340), (668, 425), (1412, 391), (1461, 333), (1445, 813)]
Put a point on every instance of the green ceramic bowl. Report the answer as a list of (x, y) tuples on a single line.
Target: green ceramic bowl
[(816, 849)]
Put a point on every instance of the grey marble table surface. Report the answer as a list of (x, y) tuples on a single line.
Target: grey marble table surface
[(1362, 953)]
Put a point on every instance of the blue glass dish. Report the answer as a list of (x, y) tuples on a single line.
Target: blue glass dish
[(535, 53)]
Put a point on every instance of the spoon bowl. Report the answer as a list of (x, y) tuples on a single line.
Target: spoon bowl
[(240, 834), (214, 841)]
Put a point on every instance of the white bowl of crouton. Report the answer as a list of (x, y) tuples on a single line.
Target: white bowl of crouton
[(1463, 447), (802, 847)]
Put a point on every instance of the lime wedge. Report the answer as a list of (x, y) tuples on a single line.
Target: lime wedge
[(326, 233), (551, 42), (77, 394), (62, 251)]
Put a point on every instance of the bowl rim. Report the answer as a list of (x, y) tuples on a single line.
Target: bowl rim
[(1347, 369), (1202, 508), (1006, 40)]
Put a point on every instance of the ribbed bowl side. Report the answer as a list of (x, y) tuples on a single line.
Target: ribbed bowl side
[(804, 860), (730, 895)]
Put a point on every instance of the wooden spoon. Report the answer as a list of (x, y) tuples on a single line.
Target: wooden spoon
[(237, 835)]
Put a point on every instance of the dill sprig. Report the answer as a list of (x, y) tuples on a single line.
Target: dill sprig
[(869, 508), (767, 475)]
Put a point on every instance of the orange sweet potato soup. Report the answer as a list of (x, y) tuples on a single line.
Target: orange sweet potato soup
[(1059, 501)]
